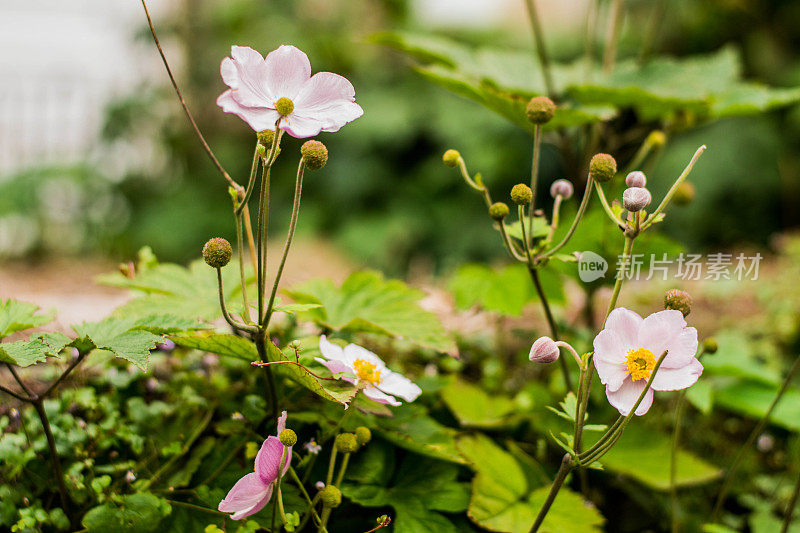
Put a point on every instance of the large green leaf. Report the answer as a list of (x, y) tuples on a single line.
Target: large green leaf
[(411, 428), (475, 408), (34, 350), (121, 336), (420, 489), (501, 499), (17, 316), (139, 513), (366, 302), (241, 348), (644, 455), (738, 356), (753, 399)]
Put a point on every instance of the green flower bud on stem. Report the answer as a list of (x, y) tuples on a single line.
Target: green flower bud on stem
[(217, 252), (314, 154), (498, 211), (288, 437), (521, 194), (679, 300), (266, 137), (710, 345), (684, 194), (540, 110), (363, 435), (284, 106), (450, 158), (602, 168), (346, 443), (657, 138), (331, 497)]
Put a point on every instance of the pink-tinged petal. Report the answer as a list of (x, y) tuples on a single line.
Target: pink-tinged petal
[(608, 347), (626, 396), (287, 69), (301, 127), (268, 460), (246, 496), (398, 385), (681, 349), (626, 324), (611, 374), (354, 352), (330, 350), (336, 368), (659, 329), (330, 98), (258, 118), (381, 397), (282, 422), (245, 72), (677, 378)]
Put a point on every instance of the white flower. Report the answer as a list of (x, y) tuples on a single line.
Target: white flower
[(379, 383), (312, 447)]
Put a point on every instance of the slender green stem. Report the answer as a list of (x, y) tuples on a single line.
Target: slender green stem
[(331, 466), (509, 244), (591, 21), (462, 166), (726, 483), (298, 189), (261, 338), (640, 155), (612, 35), (787, 518), (626, 255), (326, 514), (18, 379), (278, 484), (673, 461), (310, 511), (554, 222), (250, 183), (605, 437), (607, 208), (196, 507), (242, 277), (526, 243), (342, 470), (581, 211), (561, 475), (541, 51), (38, 405), (550, 321), (75, 362), (655, 23), (674, 188), (537, 147), (579, 410), (228, 318), (14, 394)]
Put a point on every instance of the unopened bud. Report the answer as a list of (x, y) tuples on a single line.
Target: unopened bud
[(602, 168), (561, 188), (265, 137), (521, 194), (363, 435), (498, 211), (288, 437), (450, 158), (314, 154), (636, 179), (331, 497), (636, 198), (710, 345), (684, 194), (540, 110), (678, 300), (217, 252), (544, 350), (346, 443), (657, 138), (319, 485)]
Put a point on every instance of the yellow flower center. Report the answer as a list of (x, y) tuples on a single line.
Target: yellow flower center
[(284, 106), (641, 363), (367, 371)]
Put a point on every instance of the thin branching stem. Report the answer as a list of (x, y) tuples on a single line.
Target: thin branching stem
[(541, 51), (671, 192), (581, 211)]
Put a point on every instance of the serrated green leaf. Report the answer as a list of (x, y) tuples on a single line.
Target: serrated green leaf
[(18, 316), (505, 291), (118, 336), (366, 302), (473, 407)]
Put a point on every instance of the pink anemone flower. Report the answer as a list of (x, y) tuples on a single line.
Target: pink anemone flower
[(626, 352), (379, 383), (252, 492), (322, 102)]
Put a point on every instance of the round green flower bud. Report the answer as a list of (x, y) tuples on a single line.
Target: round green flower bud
[(450, 158), (657, 138), (498, 211), (266, 137), (540, 110), (684, 194), (363, 435), (284, 106), (288, 437), (331, 497), (314, 154), (679, 300), (710, 345), (346, 442), (602, 168), (217, 252), (261, 150), (521, 194)]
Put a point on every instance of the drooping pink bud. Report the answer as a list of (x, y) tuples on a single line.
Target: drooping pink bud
[(544, 350)]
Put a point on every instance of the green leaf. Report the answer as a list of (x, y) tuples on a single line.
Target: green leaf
[(753, 399), (473, 407), (420, 489), (505, 291), (739, 356), (644, 455), (412, 429), (135, 513), (701, 395), (122, 338), (241, 348), (17, 316), (366, 302), (34, 350)]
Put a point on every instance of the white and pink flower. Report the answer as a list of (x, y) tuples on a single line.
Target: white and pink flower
[(252, 492), (322, 102), (369, 372), (626, 352)]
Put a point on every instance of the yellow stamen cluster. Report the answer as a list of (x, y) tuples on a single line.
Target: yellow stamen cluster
[(641, 363), (367, 371)]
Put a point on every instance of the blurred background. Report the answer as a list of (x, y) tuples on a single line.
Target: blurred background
[(97, 160)]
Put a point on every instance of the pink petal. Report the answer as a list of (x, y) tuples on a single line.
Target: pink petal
[(659, 329), (677, 378), (330, 98), (626, 324), (282, 422), (611, 374), (681, 349), (626, 396), (247, 496), (330, 350), (399, 385), (246, 74), (301, 127), (287, 69), (608, 347), (374, 394), (258, 118), (268, 460)]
